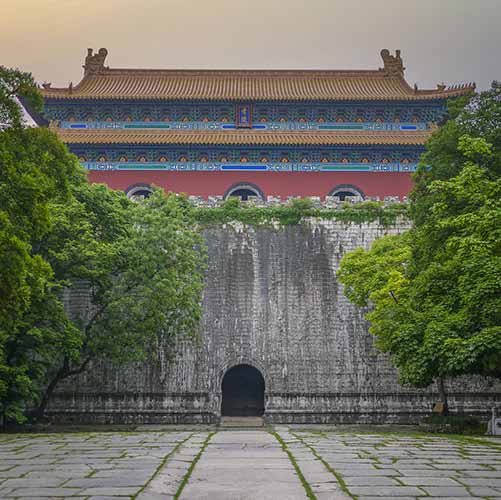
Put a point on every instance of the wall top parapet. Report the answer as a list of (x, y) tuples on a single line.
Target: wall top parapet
[(329, 202)]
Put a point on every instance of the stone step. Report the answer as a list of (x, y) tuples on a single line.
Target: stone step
[(243, 422)]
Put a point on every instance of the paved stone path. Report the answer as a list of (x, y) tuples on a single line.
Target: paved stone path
[(244, 465), (253, 464)]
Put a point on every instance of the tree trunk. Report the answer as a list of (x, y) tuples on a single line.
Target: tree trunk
[(64, 372), (60, 375), (443, 395)]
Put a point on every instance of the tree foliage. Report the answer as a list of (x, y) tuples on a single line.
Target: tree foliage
[(15, 84), (140, 264), (475, 116), (35, 168), (433, 293)]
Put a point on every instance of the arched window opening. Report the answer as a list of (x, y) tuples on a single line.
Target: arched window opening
[(244, 192), (242, 392), (346, 191), (342, 195), (139, 192)]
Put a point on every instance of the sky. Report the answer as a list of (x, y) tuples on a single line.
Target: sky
[(447, 41)]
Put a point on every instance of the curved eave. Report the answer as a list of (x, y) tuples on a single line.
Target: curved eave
[(250, 86), (243, 137)]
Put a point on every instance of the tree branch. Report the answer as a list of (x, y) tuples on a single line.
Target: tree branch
[(393, 297)]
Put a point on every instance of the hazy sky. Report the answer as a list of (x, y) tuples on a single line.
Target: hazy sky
[(441, 40)]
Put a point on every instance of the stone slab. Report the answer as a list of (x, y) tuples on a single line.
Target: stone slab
[(242, 482)]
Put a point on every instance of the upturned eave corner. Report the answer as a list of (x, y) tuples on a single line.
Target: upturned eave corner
[(388, 83)]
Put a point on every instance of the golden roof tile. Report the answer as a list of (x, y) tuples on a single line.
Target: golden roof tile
[(241, 137), (387, 83)]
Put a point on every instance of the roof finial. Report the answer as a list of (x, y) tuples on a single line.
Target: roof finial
[(393, 65), (94, 63)]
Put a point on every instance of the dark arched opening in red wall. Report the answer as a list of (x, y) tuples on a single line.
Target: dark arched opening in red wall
[(244, 190), (139, 190), (343, 191)]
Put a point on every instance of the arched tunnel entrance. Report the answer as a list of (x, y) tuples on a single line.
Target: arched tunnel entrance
[(243, 392)]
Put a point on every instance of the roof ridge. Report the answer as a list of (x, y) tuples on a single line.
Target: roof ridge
[(386, 83), (247, 71)]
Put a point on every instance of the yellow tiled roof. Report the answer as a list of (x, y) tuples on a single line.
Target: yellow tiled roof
[(387, 83), (241, 137)]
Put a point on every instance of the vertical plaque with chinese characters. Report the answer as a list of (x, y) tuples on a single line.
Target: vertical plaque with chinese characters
[(244, 116)]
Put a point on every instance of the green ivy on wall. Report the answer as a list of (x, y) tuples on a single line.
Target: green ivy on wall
[(296, 211)]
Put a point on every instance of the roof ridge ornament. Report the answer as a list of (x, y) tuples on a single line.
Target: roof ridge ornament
[(393, 65), (94, 63)]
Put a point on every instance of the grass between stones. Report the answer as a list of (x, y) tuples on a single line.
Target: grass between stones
[(306, 485), (162, 464), (189, 472), (477, 441), (415, 434), (336, 474)]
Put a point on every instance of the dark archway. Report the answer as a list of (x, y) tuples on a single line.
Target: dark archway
[(243, 392), (138, 191), (244, 191), (243, 194), (343, 191)]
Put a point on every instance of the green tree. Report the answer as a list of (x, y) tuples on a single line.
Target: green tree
[(433, 293), (35, 168), (142, 264), (477, 116), (15, 84)]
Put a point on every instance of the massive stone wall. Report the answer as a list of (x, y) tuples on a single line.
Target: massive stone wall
[(272, 301)]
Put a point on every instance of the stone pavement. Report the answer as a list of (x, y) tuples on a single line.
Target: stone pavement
[(376, 466), (244, 465), (284, 464)]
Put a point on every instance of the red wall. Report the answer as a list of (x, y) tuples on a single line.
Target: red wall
[(271, 183)]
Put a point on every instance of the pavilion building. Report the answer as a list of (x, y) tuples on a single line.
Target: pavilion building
[(248, 132)]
